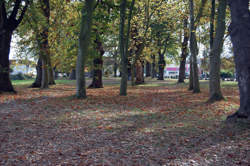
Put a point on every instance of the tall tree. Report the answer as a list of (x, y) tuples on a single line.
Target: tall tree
[(193, 42), (240, 34), (123, 44), (215, 61), (184, 52), (84, 40), (8, 23), (212, 15)]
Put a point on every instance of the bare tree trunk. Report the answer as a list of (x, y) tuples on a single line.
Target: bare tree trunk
[(84, 41), (139, 73), (240, 35), (194, 49), (72, 75), (184, 53), (191, 85), (38, 81), (153, 71), (161, 65), (5, 83), (215, 61), (148, 69)]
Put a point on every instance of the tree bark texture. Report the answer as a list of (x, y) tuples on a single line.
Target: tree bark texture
[(194, 49), (38, 80), (191, 85), (72, 75), (215, 61), (240, 35), (84, 41), (212, 15), (139, 73), (98, 65), (184, 53)]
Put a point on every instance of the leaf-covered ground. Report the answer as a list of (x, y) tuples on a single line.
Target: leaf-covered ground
[(160, 123)]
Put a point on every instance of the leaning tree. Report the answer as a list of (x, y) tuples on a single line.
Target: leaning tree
[(8, 23), (240, 34)]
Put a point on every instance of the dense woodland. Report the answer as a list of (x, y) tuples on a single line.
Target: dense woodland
[(139, 38)]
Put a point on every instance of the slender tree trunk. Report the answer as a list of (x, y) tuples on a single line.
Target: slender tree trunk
[(215, 62), (240, 35), (212, 23), (84, 40), (148, 69), (184, 53), (38, 80), (161, 65), (153, 71), (191, 85), (124, 58), (5, 83), (194, 49)]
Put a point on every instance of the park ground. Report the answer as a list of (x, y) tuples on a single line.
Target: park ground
[(158, 123)]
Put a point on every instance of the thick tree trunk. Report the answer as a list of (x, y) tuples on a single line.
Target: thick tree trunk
[(240, 35), (194, 50), (215, 62), (84, 41), (184, 54), (139, 73), (98, 65), (211, 33), (72, 75), (148, 69), (161, 65), (97, 74), (51, 72), (5, 40), (37, 83)]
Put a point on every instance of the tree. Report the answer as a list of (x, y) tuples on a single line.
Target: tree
[(8, 23), (84, 40), (184, 53), (215, 61), (240, 35), (193, 42), (123, 44)]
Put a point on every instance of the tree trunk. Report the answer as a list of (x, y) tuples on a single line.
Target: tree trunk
[(72, 75), (240, 35), (184, 54), (98, 65), (161, 65), (84, 41), (51, 72), (148, 69), (37, 83), (5, 83), (139, 73), (191, 85), (194, 50), (212, 23), (97, 74), (215, 61), (153, 71), (115, 69)]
